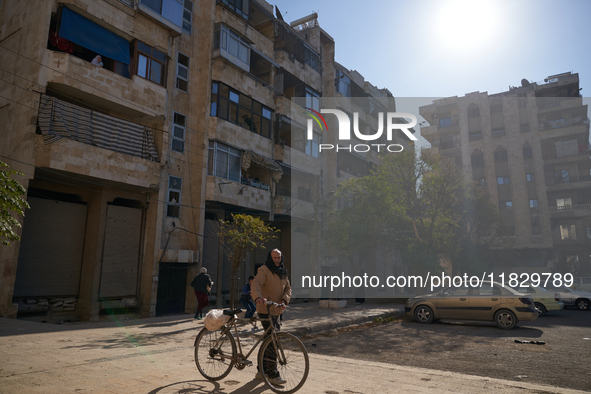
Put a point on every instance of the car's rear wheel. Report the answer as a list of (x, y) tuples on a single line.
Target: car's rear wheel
[(582, 304), (424, 314), (540, 308), (505, 319)]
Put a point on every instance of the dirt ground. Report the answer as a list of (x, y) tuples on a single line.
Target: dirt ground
[(477, 348)]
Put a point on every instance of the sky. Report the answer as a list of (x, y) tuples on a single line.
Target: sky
[(443, 48)]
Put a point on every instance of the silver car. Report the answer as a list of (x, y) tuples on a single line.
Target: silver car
[(490, 302), (572, 298)]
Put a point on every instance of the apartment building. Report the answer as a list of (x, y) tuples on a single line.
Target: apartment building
[(129, 164), (529, 147)]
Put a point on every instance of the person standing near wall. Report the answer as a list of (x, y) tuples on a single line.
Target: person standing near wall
[(202, 284)]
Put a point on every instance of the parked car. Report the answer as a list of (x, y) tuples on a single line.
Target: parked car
[(570, 297), (544, 300), (490, 302), (583, 284)]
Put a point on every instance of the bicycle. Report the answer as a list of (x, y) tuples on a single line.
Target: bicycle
[(216, 353)]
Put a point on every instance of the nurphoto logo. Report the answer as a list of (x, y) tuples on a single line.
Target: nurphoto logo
[(394, 121)]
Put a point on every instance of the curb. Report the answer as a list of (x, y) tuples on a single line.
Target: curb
[(324, 327)]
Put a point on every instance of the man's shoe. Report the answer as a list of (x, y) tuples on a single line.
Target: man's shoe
[(258, 376), (277, 380)]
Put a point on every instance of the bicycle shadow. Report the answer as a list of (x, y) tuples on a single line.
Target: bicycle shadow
[(207, 387)]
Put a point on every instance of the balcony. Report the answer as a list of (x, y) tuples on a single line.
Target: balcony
[(579, 210), (98, 87), (238, 194), (83, 142)]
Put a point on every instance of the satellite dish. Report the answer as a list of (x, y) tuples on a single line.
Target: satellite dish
[(524, 82)]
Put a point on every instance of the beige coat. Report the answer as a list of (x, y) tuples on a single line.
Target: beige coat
[(268, 285)]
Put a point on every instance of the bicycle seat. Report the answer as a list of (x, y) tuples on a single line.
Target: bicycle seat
[(232, 312)]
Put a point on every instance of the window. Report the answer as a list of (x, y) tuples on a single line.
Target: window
[(173, 209), (477, 159), (530, 177), (171, 10), (312, 98), (187, 16), (182, 72), (231, 105), (561, 176), (533, 203), (447, 142), (240, 7), (498, 132), (313, 145), (232, 46), (505, 204), (567, 148), (178, 133), (496, 108), (564, 204), (568, 232), (151, 63), (473, 111), (343, 83), (223, 161), (501, 155), (502, 180), (475, 135), (445, 122), (527, 153), (481, 181)]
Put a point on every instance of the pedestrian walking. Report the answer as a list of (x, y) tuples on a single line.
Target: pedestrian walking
[(202, 284)]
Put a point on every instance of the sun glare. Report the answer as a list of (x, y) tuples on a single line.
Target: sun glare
[(465, 25)]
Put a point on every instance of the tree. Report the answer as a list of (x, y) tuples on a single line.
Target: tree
[(11, 203), (239, 236), (422, 206)]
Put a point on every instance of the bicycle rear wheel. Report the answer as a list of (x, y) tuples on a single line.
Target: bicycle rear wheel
[(215, 353), (292, 361)]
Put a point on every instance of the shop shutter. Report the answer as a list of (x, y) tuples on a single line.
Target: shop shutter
[(121, 252), (52, 244)]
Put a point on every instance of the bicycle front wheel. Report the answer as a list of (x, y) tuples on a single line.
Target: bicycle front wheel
[(289, 355), (215, 353)]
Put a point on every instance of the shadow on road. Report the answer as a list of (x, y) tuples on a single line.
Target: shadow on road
[(205, 386)]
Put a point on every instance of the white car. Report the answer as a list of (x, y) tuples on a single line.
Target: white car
[(574, 298), (544, 300)]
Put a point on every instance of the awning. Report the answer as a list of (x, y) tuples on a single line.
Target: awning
[(87, 34)]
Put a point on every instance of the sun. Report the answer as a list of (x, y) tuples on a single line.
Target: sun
[(466, 25)]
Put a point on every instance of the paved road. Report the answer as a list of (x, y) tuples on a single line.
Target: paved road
[(156, 356), (477, 348)]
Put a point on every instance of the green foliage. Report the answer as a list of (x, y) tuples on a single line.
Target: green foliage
[(421, 206), (239, 236), (11, 202)]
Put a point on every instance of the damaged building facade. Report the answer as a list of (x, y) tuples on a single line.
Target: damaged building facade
[(129, 164), (529, 148)]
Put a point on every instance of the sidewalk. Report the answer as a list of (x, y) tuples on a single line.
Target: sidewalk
[(155, 355)]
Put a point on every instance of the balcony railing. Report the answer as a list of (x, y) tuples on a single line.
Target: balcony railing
[(571, 208), (59, 119)]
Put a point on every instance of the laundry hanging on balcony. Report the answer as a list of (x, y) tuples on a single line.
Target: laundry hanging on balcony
[(59, 119)]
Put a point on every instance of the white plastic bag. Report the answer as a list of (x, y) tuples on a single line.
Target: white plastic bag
[(215, 319)]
